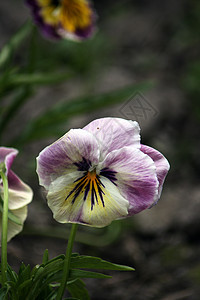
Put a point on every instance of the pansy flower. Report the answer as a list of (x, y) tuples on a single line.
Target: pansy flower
[(20, 194), (72, 19), (101, 173)]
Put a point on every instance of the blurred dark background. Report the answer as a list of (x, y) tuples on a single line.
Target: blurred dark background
[(137, 41)]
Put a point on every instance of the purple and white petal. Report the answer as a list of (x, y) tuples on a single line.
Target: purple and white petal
[(134, 174), (77, 150), (20, 194), (161, 163), (7, 155), (114, 133)]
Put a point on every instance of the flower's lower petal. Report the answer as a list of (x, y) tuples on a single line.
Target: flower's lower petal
[(7, 155), (161, 163), (76, 150), (115, 207), (97, 211), (20, 194), (13, 228), (114, 133), (134, 175)]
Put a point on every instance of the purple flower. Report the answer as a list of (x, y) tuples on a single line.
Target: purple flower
[(20, 194), (101, 173), (71, 19)]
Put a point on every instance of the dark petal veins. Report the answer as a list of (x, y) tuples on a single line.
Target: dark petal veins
[(83, 165), (100, 190), (86, 190), (100, 181), (86, 184), (77, 192), (109, 174), (92, 196), (79, 185)]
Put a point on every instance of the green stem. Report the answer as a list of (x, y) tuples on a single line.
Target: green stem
[(4, 229), (67, 262)]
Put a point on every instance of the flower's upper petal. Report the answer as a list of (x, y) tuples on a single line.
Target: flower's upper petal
[(7, 155), (97, 207), (20, 194), (13, 228), (114, 133), (76, 150), (134, 174), (161, 163)]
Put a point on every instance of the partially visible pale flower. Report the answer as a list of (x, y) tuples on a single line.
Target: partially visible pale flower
[(71, 19), (101, 173), (20, 194)]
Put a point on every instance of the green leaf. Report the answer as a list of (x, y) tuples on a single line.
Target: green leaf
[(14, 43), (59, 257), (52, 295), (49, 269), (78, 290), (91, 262), (26, 285), (38, 78), (49, 123), (11, 275), (45, 257), (34, 270), (3, 293), (75, 273), (24, 274)]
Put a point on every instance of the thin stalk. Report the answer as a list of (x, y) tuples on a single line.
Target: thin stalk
[(67, 262), (4, 228)]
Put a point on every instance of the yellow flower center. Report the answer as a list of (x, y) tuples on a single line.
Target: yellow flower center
[(75, 14), (90, 187), (71, 14)]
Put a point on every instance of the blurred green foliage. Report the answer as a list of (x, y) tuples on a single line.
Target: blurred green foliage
[(28, 61)]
